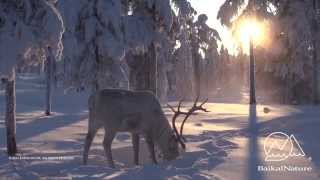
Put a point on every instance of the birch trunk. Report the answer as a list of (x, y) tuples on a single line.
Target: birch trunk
[(10, 117)]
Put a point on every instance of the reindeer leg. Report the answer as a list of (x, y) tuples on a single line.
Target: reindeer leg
[(108, 138), (135, 144), (150, 144), (87, 144)]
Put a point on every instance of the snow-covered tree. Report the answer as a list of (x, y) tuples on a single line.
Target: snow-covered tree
[(115, 43), (94, 37), (25, 27), (107, 40), (147, 29), (289, 57), (204, 41), (183, 66), (295, 65)]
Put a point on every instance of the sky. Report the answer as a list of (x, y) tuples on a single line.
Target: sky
[(211, 8)]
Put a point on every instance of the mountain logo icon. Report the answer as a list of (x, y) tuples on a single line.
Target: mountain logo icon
[(279, 146)]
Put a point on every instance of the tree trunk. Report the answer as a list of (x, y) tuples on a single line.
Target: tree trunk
[(184, 80), (152, 70), (315, 99), (197, 75), (162, 79), (252, 75), (196, 65), (143, 71), (207, 70), (49, 85), (314, 76), (10, 117), (54, 70)]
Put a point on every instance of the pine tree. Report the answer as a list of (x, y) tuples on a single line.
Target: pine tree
[(290, 54)]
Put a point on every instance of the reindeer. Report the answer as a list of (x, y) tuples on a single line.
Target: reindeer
[(137, 112)]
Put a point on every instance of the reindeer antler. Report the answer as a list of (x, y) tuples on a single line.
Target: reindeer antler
[(178, 112), (174, 118), (192, 111)]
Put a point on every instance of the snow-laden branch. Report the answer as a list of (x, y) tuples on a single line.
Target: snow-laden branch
[(25, 26)]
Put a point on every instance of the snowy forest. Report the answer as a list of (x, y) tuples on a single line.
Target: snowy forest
[(160, 89)]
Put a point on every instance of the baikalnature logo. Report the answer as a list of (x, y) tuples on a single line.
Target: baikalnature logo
[(278, 146)]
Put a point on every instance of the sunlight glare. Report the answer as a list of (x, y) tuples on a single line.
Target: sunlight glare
[(251, 28)]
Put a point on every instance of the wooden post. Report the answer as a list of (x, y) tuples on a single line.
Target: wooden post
[(10, 117)]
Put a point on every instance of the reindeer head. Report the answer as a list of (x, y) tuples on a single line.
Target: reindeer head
[(179, 137), (168, 140), (171, 148)]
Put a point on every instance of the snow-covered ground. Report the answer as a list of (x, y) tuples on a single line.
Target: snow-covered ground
[(227, 143)]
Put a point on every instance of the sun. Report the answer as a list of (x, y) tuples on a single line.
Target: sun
[(251, 28)]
